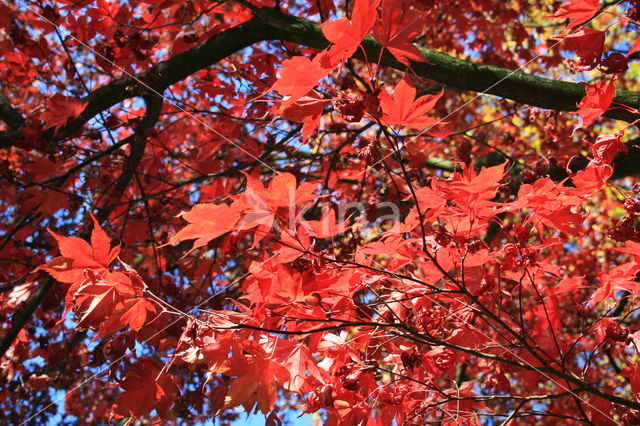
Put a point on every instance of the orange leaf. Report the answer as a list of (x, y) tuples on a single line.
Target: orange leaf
[(346, 33), (207, 222), (137, 312), (298, 77), (307, 109), (577, 11), (405, 110), (78, 255)]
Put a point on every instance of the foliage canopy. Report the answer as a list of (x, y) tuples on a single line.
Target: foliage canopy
[(376, 211)]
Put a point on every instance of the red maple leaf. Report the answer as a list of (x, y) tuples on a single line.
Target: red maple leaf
[(396, 28), (308, 110), (282, 191), (293, 245), (327, 226), (98, 297), (77, 255), (607, 146), (207, 222), (255, 208), (255, 381), (347, 34), (577, 11), (59, 110), (593, 177), (405, 110), (145, 388), (588, 44), (129, 309), (596, 102), (298, 76)]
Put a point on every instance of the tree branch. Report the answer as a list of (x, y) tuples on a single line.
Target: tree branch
[(138, 143), (464, 75), (159, 78), (271, 24), (9, 114)]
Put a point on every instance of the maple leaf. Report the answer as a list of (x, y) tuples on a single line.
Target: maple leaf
[(547, 201), (606, 147), (137, 311), (95, 301), (255, 382), (310, 105), (77, 255), (254, 209), (405, 110), (297, 360), (428, 199), (327, 226), (593, 177), (470, 185), (588, 44), (59, 110), (615, 279), (207, 222), (293, 246), (347, 34), (131, 311), (282, 191), (577, 11), (396, 28), (145, 388), (307, 109), (298, 77), (596, 101), (102, 300)]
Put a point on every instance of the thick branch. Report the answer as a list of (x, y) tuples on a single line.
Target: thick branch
[(493, 80), (274, 25), (138, 143), (9, 114), (164, 75)]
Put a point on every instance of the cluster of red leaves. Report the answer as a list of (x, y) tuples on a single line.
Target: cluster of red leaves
[(589, 46), (108, 300), (301, 291), (394, 30), (102, 298), (437, 317)]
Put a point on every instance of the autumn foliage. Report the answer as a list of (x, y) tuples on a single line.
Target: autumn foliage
[(369, 212)]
